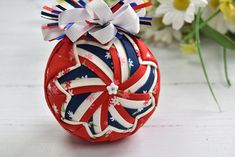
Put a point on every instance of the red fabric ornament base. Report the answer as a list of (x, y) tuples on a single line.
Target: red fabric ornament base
[(102, 92)]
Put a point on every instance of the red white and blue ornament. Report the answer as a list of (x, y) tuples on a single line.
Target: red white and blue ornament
[(102, 83)]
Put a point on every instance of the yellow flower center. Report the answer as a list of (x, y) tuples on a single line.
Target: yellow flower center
[(158, 22), (228, 9), (214, 4), (61, 2), (188, 48), (181, 4)]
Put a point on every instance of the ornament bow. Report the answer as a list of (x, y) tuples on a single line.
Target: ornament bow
[(95, 18)]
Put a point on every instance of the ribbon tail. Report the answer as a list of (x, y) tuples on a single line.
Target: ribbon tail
[(73, 16), (52, 33), (76, 31), (141, 12)]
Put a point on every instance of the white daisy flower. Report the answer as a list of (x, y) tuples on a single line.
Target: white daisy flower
[(218, 22), (167, 35), (176, 12), (161, 34)]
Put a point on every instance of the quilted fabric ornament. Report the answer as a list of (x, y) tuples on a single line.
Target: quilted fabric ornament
[(100, 87)]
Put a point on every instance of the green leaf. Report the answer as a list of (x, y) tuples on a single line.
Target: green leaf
[(110, 2), (231, 35), (221, 39), (226, 68), (198, 44)]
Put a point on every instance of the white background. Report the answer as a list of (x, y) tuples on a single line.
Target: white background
[(186, 124)]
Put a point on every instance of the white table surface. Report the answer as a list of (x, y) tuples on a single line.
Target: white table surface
[(186, 124)]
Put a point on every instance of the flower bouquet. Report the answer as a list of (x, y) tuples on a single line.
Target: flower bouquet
[(187, 21)]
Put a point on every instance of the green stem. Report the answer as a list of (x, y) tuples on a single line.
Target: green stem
[(198, 44), (203, 24), (226, 67)]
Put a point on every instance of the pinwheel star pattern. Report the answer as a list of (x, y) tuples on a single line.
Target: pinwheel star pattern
[(116, 97)]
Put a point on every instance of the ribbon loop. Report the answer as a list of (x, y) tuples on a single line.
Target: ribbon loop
[(101, 11), (104, 35), (78, 15), (127, 19)]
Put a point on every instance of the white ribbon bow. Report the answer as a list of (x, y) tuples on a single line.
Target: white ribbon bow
[(98, 20)]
